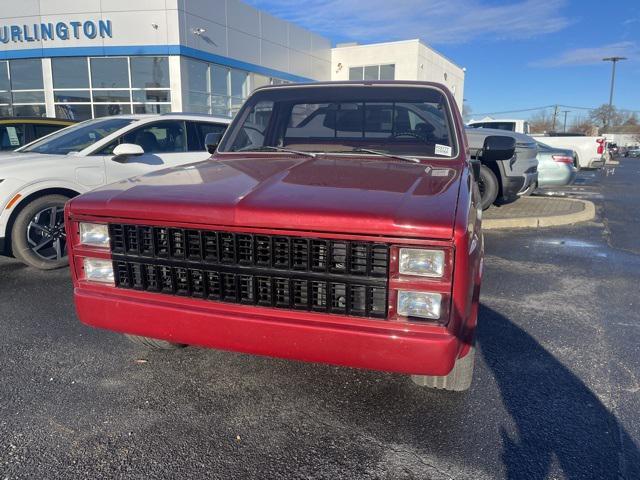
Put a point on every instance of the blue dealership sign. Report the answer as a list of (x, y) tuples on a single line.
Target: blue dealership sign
[(56, 31)]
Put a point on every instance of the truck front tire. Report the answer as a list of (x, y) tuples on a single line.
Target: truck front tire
[(458, 380), (153, 343), (489, 187)]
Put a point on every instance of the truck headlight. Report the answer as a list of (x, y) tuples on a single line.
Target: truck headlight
[(98, 270), (419, 304), (422, 262), (94, 234)]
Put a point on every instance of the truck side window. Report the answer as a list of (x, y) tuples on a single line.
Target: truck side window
[(197, 131)]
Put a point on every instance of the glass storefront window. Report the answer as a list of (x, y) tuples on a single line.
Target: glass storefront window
[(150, 72), (215, 89), (114, 86), (72, 96), (109, 72), (111, 96), (239, 84), (73, 111), (219, 80), (70, 73), (29, 110), (26, 74), (107, 110), (22, 88), (28, 97)]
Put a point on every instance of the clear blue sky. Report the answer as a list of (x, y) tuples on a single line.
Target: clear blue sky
[(518, 54)]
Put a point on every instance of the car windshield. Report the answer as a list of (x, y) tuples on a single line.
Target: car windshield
[(399, 120), (77, 137)]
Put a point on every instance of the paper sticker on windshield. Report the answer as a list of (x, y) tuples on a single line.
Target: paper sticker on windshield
[(443, 150), (13, 136)]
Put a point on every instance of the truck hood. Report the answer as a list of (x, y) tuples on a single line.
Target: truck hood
[(336, 194)]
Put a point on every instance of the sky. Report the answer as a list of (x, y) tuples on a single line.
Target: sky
[(519, 54)]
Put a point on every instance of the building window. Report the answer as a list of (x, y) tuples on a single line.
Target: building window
[(22, 88), (373, 72), (103, 86), (214, 89)]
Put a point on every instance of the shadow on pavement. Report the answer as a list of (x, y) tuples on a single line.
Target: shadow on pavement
[(558, 418)]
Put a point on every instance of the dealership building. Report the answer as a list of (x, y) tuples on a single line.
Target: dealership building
[(90, 58)]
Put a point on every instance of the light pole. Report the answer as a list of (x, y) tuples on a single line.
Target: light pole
[(613, 61), (565, 120)]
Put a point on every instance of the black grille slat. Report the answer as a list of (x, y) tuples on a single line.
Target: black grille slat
[(194, 245), (116, 234), (331, 276), (281, 252), (244, 248), (227, 247), (145, 235)]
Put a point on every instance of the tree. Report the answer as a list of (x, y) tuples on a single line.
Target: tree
[(605, 116), (584, 126), (632, 120), (541, 122)]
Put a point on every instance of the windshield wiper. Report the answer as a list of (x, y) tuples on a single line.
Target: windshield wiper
[(282, 149), (388, 155)]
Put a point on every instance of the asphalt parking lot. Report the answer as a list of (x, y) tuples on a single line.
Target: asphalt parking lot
[(556, 392)]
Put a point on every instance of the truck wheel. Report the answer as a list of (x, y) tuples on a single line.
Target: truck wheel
[(154, 343), (458, 380), (488, 185), (38, 238)]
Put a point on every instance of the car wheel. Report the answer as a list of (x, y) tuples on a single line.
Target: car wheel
[(488, 186), (154, 343), (530, 189), (38, 238), (458, 380)]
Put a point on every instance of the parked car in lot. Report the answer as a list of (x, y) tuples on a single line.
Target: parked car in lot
[(589, 151), (505, 180), (37, 180), (555, 166), (633, 153), (336, 223), (16, 132)]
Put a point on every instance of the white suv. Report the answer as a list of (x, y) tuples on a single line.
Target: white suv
[(39, 178)]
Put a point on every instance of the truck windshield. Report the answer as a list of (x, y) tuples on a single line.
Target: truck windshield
[(77, 137), (401, 121)]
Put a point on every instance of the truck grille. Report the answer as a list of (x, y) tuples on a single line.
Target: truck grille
[(331, 276)]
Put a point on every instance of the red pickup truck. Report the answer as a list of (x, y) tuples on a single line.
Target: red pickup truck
[(334, 222)]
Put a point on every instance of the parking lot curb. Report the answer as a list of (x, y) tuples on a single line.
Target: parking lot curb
[(587, 213)]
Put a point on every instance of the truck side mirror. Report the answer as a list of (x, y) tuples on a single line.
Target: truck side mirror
[(498, 147), (211, 141), (125, 150)]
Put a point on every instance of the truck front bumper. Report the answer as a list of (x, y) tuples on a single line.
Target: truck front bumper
[(312, 337)]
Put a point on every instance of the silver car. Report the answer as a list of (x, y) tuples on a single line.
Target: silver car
[(556, 166)]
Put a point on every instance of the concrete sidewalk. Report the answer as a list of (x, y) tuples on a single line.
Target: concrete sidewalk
[(534, 212)]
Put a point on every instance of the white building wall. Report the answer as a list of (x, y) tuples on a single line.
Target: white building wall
[(240, 32), (232, 29), (413, 60)]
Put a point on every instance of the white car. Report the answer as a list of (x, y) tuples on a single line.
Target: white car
[(38, 179)]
